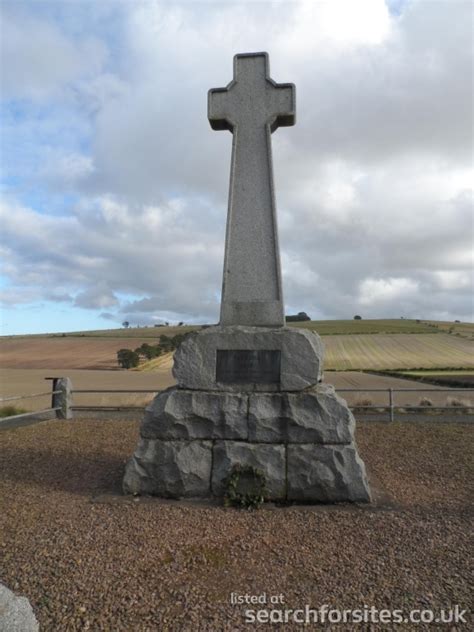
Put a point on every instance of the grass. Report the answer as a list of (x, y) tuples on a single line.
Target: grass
[(10, 411), (135, 332), (464, 330), (130, 332), (432, 372), (323, 327), (163, 361), (372, 326), (456, 378)]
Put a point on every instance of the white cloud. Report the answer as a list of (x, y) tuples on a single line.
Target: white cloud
[(113, 249), (66, 170), (96, 297), (453, 279), (38, 60), (373, 184), (376, 291), (330, 28)]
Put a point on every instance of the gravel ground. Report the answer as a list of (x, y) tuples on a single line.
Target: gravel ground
[(90, 560)]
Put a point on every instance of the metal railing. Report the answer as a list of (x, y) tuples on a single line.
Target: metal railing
[(111, 390), (62, 400), (30, 413), (392, 406)]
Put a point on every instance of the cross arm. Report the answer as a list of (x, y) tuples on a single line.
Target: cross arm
[(218, 109), (284, 104)]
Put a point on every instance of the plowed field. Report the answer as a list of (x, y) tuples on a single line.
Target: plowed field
[(343, 352)]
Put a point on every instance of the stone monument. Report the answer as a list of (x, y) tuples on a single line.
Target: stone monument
[(249, 390)]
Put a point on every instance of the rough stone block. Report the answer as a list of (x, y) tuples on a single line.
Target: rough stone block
[(62, 399), (173, 469), (316, 416), (16, 613), (270, 459), (300, 365), (185, 414), (319, 473)]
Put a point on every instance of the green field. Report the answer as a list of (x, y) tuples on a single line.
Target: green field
[(465, 330), (379, 326), (322, 327), (129, 332), (380, 352), (430, 372), (454, 378)]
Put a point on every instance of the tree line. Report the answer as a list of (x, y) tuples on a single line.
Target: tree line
[(129, 358)]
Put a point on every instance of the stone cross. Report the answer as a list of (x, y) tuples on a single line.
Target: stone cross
[(249, 396), (252, 106)]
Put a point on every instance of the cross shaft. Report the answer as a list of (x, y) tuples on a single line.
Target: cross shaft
[(252, 106)]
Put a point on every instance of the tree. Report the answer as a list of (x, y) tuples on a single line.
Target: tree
[(168, 343), (127, 358), (178, 339), (171, 343), (148, 351), (357, 317), (299, 317), (126, 324), (144, 350)]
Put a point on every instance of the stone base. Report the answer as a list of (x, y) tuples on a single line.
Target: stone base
[(302, 441), (300, 353)]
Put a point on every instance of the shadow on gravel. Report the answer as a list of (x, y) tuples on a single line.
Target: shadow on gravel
[(68, 471)]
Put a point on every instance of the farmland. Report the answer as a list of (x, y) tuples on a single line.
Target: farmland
[(90, 358), (466, 330), (323, 327), (350, 345), (343, 352), (66, 353), (24, 381), (366, 382), (397, 352), (144, 333), (372, 326), (463, 379)]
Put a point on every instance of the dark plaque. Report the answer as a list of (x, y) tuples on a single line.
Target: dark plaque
[(248, 367)]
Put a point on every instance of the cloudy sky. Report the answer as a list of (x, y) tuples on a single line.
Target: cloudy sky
[(114, 186)]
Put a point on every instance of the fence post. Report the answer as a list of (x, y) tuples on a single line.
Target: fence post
[(63, 399), (390, 401)]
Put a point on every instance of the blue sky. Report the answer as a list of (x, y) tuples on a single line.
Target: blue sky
[(114, 187)]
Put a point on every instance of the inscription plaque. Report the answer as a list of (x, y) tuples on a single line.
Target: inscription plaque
[(241, 366)]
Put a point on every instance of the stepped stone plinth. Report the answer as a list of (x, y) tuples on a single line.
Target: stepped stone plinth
[(302, 442)]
